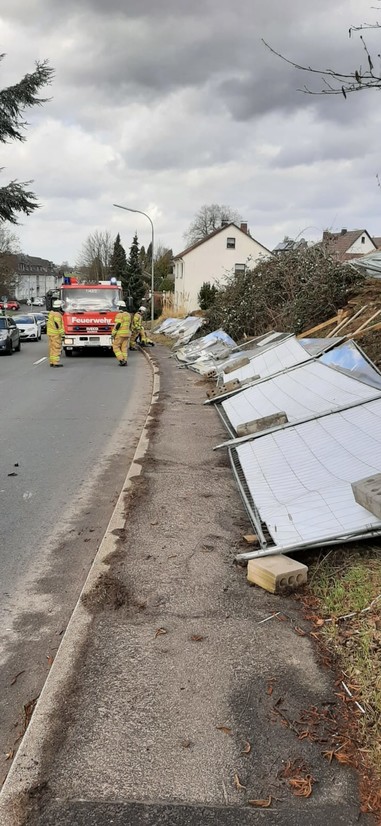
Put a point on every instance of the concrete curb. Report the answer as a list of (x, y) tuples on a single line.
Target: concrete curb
[(25, 771)]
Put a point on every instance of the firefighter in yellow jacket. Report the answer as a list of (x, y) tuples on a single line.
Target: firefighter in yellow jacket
[(121, 336), (55, 332), (138, 331)]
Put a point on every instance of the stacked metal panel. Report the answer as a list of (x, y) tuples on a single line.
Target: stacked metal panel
[(303, 392), (276, 357), (204, 346), (297, 482), (181, 329), (296, 478)]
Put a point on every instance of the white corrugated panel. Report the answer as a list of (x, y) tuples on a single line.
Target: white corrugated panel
[(300, 478), (278, 357), (312, 388)]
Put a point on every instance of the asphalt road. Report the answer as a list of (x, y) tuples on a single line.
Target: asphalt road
[(66, 440)]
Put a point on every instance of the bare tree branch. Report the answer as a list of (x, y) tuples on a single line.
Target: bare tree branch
[(336, 82)]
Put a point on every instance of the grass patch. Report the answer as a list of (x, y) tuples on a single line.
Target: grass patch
[(160, 338), (346, 581)]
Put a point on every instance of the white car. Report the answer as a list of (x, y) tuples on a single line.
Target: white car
[(29, 326), (38, 302)]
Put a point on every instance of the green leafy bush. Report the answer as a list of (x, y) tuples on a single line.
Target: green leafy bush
[(289, 292)]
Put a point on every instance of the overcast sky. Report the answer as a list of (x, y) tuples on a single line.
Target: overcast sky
[(165, 105)]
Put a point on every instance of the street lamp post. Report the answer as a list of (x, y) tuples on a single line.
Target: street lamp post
[(128, 209)]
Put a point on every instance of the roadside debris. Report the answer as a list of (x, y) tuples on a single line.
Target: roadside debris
[(276, 573), (317, 395), (261, 804)]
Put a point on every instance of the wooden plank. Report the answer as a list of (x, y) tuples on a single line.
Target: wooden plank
[(372, 329), (318, 327), (349, 320), (364, 325)]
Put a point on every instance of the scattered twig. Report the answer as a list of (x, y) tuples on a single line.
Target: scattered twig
[(224, 729), (346, 689), (269, 618), (261, 804), (237, 783), (15, 678)]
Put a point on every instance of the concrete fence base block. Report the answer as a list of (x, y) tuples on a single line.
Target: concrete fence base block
[(249, 380), (225, 388), (367, 492), (276, 573), (262, 424), (235, 365)]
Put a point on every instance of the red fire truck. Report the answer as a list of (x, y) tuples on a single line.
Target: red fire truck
[(89, 312)]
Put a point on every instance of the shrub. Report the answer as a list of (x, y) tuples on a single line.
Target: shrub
[(207, 295), (289, 292)]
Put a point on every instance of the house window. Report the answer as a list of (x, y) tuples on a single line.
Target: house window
[(230, 243), (239, 267), (363, 239)]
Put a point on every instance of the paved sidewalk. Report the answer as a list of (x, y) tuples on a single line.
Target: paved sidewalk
[(180, 695)]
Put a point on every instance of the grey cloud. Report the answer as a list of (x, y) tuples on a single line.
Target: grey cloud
[(184, 104), (325, 143)]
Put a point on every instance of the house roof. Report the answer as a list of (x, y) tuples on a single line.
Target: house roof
[(338, 243), (211, 235), (34, 260), (377, 242)]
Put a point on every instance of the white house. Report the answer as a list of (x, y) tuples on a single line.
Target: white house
[(349, 244), (227, 250)]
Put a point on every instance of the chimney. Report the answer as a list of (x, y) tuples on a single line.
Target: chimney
[(244, 227), (343, 231)]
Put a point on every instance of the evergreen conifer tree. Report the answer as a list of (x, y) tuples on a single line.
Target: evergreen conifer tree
[(118, 264), (14, 100), (136, 286)]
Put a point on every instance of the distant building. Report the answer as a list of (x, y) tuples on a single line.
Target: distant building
[(223, 252), (349, 244), (34, 276), (289, 244)]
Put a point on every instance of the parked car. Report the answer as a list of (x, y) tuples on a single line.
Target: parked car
[(9, 336), (38, 302), (30, 329), (42, 320), (12, 304)]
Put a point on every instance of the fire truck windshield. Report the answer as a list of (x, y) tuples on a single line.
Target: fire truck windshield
[(90, 298)]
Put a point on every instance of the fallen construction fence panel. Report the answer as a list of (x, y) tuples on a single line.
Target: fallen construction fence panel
[(212, 365), (165, 325), (204, 346), (350, 359), (182, 329), (279, 357), (296, 482), (187, 330), (370, 263), (306, 390), (316, 346), (228, 389)]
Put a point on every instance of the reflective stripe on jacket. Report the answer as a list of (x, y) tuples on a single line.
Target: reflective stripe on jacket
[(54, 325), (122, 325), (137, 322)]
